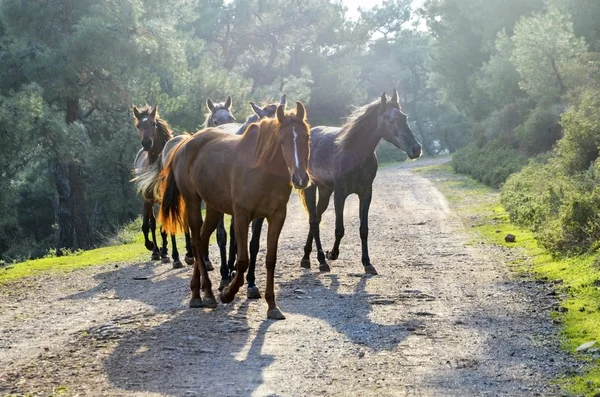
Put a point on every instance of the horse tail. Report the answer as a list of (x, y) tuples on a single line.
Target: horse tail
[(302, 196), (146, 181), (172, 207)]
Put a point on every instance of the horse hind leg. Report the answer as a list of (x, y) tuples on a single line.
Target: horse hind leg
[(164, 250), (176, 261), (189, 254), (200, 278), (364, 204), (339, 201), (241, 234), (222, 243)]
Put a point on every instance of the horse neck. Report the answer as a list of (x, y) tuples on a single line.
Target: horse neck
[(157, 148), (251, 119), (364, 142)]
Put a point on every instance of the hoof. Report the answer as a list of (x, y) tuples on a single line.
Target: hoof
[(165, 259), (305, 263), (155, 256), (275, 314), (225, 296), (177, 264), (211, 303), (331, 256), (253, 293), (209, 265), (369, 269), (196, 302), (189, 260), (149, 245), (324, 267), (224, 283)]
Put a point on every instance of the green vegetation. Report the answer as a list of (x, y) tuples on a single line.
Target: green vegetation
[(578, 277)]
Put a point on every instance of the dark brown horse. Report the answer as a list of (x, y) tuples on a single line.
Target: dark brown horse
[(343, 162), (154, 134), (247, 176)]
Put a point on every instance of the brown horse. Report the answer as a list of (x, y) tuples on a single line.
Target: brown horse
[(154, 134), (247, 176)]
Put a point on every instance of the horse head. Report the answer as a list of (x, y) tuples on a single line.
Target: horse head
[(294, 134), (146, 122), (393, 125), (220, 113)]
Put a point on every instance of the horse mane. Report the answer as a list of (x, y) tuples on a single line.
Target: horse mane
[(268, 136), (359, 120)]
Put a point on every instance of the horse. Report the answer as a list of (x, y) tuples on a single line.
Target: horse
[(247, 176), (268, 111), (154, 134), (343, 162)]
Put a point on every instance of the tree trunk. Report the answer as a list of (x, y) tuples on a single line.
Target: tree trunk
[(63, 209)]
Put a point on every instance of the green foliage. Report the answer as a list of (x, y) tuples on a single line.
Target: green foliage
[(491, 164)]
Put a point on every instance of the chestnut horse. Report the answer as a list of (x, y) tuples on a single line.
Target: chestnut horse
[(247, 176)]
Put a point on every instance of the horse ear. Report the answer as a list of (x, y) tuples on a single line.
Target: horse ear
[(210, 105), (395, 97), (228, 103), (300, 110), (283, 100), (259, 112), (136, 112), (383, 99), (280, 113), (154, 111)]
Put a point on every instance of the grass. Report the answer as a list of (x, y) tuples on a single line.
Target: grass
[(578, 277), (132, 250)]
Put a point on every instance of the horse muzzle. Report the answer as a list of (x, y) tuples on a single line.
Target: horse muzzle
[(147, 144), (300, 182)]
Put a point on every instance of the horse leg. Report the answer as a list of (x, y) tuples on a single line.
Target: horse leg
[(232, 246), (209, 265), (164, 251), (275, 225), (208, 227), (241, 234), (308, 192), (339, 200), (155, 251), (194, 217), (189, 254), (222, 242), (364, 204), (146, 225), (253, 292), (176, 262), (311, 198)]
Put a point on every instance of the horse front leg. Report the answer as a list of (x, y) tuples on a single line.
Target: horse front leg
[(253, 292), (146, 211), (176, 262), (275, 225), (314, 220), (339, 201), (241, 234), (152, 222), (364, 204)]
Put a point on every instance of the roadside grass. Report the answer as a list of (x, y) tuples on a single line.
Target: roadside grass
[(127, 246), (578, 277)]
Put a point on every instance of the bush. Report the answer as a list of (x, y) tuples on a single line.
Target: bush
[(491, 164)]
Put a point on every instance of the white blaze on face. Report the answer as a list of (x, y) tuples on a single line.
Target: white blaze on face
[(145, 119), (296, 147)]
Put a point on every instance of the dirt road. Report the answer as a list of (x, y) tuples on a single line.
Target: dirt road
[(442, 318)]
